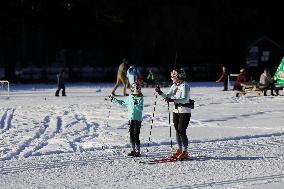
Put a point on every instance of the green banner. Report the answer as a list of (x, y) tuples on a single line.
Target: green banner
[(279, 74)]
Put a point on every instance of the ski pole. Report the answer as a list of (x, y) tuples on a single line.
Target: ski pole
[(152, 121), (170, 125), (107, 119), (108, 116)]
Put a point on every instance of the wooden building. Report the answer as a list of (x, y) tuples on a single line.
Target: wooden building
[(262, 53)]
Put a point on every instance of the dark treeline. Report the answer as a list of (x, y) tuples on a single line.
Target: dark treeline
[(97, 33)]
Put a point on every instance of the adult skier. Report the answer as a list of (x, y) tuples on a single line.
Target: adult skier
[(134, 76), (131, 75), (179, 93), (224, 78), (60, 83), (121, 77)]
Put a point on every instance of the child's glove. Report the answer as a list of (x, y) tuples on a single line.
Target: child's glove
[(135, 102), (158, 90), (111, 97), (168, 100), (191, 104)]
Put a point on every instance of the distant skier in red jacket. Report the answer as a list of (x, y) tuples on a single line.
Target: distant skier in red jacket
[(240, 79)]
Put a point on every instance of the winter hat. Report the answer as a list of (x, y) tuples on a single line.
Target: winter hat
[(179, 73), (135, 85)]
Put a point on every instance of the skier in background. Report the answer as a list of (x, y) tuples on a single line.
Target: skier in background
[(60, 83), (151, 78), (131, 75), (134, 104), (224, 78), (179, 93), (240, 79), (121, 77), (134, 76)]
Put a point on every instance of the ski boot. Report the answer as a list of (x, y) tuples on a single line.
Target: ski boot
[(176, 155), (132, 153), (137, 154), (184, 155)]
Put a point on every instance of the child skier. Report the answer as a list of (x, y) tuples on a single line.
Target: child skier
[(134, 104), (179, 94)]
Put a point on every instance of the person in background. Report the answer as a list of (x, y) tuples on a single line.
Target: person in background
[(240, 79), (60, 83), (224, 77), (132, 75), (134, 104), (179, 93), (121, 77), (266, 82), (151, 78)]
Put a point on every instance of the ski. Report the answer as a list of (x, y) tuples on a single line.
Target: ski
[(163, 160), (169, 160)]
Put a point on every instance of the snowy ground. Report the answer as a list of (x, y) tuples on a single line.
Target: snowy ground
[(80, 141)]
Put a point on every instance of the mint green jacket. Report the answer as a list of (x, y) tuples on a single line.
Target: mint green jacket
[(134, 104)]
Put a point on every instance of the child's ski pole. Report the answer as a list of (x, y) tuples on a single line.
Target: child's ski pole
[(152, 121), (107, 119)]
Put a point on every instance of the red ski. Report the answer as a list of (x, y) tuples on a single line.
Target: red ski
[(164, 160)]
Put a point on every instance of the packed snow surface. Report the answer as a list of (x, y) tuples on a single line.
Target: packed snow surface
[(81, 140)]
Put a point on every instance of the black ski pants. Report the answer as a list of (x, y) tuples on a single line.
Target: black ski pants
[(181, 121), (61, 86), (134, 129), (225, 82)]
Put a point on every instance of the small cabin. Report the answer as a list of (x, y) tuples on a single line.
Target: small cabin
[(262, 53)]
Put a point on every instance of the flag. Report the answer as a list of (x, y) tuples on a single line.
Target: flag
[(279, 74)]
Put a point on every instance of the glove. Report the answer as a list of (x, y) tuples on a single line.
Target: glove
[(158, 90), (135, 103), (168, 100), (111, 97)]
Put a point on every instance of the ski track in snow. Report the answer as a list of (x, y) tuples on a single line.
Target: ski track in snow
[(214, 150), (6, 120)]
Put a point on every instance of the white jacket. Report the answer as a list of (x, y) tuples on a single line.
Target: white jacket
[(265, 80), (181, 95)]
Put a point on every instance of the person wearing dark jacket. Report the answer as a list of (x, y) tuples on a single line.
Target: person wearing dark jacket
[(224, 78), (60, 83), (240, 79)]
